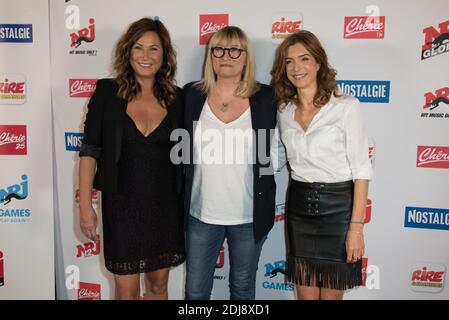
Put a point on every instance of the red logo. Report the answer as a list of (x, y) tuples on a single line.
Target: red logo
[(221, 259), (2, 274), (432, 157), (285, 24), (88, 249), (82, 88), (12, 89), (434, 100), (89, 291), (13, 139), (364, 27), (434, 38), (94, 195), (279, 214), (211, 23), (426, 275), (83, 35), (364, 268), (369, 205)]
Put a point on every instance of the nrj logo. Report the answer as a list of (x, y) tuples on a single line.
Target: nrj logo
[(370, 275), (369, 205), (88, 249), (17, 191), (86, 34), (438, 99), (285, 24), (211, 23), (12, 89), (428, 277), (435, 41), (274, 275)]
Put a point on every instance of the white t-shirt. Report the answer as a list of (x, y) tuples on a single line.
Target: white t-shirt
[(222, 190), (335, 146)]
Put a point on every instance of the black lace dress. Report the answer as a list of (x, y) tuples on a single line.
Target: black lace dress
[(142, 223)]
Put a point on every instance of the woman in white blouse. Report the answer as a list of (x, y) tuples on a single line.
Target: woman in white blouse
[(327, 150)]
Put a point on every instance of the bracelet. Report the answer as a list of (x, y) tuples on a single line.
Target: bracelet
[(358, 222)]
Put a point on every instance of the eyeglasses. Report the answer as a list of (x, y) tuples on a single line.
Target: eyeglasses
[(234, 53)]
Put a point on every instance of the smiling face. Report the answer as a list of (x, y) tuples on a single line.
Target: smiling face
[(301, 67), (227, 67), (147, 56)]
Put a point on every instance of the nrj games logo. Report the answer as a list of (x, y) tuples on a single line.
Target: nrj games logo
[(275, 273), (8, 197)]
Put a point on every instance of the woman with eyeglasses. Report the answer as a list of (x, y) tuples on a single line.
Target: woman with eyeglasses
[(230, 189)]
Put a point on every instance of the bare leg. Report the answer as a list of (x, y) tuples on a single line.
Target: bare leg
[(308, 293), (127, 287), (331, 294), (156, 283)]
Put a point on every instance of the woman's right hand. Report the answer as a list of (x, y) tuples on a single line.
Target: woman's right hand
[(88, 222)]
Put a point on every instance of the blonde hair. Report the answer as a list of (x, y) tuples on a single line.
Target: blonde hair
[(248, 84)]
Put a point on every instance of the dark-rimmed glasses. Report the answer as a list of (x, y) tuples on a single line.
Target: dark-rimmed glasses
[(234, 53)]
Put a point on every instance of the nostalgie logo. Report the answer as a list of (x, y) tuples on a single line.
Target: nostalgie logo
[(433, 100), (12, 194), (94, 195), (435, 41), (82, 88), (366, 90), (13, 140), (73, 141), (81, 37), (285, 24), (211, 23), (12, 89), (2, 270), (275, 273), (426, 218), (16, 33), (364, 27), (432, 157), (88, 249), (89, 291), (428, 277)]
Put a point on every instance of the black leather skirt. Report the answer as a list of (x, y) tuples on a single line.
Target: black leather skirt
[(318, 216)]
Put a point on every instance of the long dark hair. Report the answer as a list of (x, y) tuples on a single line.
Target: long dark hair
[(284, 90), (164, 84)]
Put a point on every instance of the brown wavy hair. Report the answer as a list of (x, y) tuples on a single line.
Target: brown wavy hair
[(284, 91), (164, 84)]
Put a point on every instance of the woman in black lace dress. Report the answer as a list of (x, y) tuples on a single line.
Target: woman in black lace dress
[(126, 154)]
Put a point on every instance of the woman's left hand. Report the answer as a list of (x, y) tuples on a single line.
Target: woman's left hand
[(355, 245)]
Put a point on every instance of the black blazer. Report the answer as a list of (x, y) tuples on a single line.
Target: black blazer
[(263, 116), (103, 132)]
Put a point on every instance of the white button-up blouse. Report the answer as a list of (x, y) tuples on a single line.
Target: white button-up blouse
[(335, 146)]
